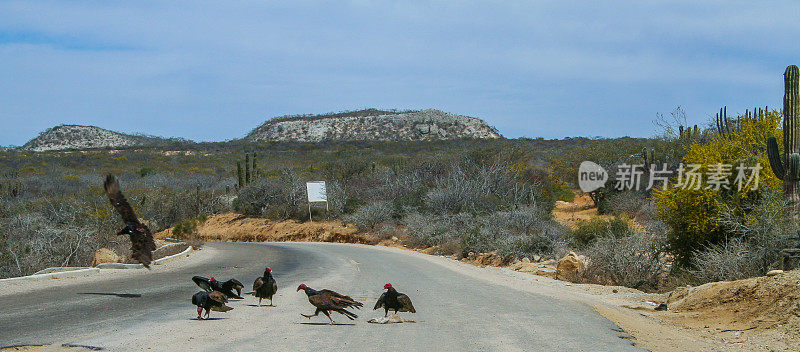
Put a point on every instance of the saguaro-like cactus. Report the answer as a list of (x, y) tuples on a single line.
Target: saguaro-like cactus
[(787, 166), (240, 174)]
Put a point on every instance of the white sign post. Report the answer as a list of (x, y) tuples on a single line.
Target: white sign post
[(316, 193)]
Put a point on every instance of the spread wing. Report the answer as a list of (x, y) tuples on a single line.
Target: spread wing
[(233, 284), (142, 244), (203, 283), (119, 202), (405, 302), (381, 302)]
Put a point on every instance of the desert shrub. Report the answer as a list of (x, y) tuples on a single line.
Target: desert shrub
[(731, 260), (587, 232), (754, 245), (54, 232), (274, 198), (370, 215), (478, 188), (632, 203), (694, 214), (637, 260), (187, 229), (522, 232)]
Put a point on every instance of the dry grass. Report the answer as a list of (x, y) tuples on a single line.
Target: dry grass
[(231, 227)]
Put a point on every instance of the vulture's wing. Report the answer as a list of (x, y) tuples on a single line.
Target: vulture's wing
[(219, 297), (406, 303), (381, 302), (234, 284), (274, 286), (119, 202), (203, 283), (258, 284), (142, 244), (340, 300), (322, 301)]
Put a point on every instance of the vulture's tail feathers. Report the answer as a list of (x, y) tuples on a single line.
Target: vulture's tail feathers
[(350, 315)]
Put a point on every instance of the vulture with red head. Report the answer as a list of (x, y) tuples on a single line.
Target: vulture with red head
[(142, 245), (393, 300), (327, 301), (265, 287)]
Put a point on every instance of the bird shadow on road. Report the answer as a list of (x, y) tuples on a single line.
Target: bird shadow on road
[(261, 306), (204, 319), (121, 295), (311, 323)]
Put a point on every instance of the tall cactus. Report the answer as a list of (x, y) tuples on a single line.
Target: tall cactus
[(239, 174), (787, 166)]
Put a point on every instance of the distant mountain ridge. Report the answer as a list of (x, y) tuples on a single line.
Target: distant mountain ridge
[(359, 125), (374, 125)]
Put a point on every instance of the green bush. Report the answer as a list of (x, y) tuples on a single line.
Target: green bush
[(587, 232)]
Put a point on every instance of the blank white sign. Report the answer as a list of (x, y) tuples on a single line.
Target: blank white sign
[(316, 191)]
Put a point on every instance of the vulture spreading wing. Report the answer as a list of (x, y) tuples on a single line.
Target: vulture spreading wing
[(142, 245), (203, 282), (403, 303), (233, 284), (226, 287)]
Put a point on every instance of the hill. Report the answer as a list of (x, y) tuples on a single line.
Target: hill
[(65, 137), (374, 125)]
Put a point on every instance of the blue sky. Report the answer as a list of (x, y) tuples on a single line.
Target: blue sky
[(211, 70)]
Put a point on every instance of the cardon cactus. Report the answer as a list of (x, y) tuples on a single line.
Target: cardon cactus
[(786, 166)]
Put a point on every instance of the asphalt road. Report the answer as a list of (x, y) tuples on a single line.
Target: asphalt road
[(456, 312)]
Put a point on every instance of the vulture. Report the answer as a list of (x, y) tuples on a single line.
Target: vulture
[(393, 300), (265, 287), (142, 245), (210, 301), (327, 300), (227, 287)]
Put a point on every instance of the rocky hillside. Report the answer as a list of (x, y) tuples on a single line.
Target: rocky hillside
[(82, 137), (372, 124)]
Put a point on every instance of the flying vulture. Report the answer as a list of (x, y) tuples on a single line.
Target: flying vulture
[(142, 245), (210, 301), (327, 300), (227, 287), (265, 287), (393, 300)]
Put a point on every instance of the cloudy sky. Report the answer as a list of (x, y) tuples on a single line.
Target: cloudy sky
[(213, 70)]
